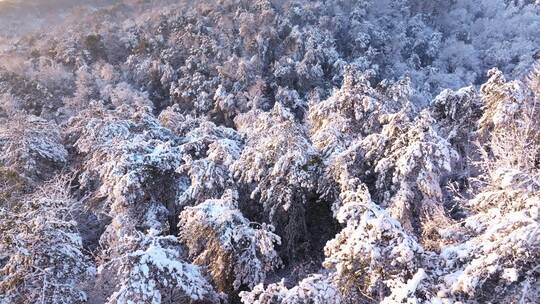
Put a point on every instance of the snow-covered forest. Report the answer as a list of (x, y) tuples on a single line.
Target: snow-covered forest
[(270, 151)]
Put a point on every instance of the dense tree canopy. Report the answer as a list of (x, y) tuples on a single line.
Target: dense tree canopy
[(270, 151)]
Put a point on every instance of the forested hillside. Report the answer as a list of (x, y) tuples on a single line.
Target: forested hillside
[(270, 151)]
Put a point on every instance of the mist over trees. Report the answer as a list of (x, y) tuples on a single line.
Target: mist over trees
[(270, 151)]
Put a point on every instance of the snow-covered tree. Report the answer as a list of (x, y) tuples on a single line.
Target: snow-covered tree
[(86, 90), (130, 163), (31, 96), (373, 256), (356, 110), (497, 244), (12, 184), (152, 269), (410, 160), (280, 166), (41, 253), (31, 146), (208, 152), (457, 113), (236, 251), (194, 128), (316, 289)]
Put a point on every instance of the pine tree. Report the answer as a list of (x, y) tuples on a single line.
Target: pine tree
[(31, 146), (45, 261), (237, 252), (152, 269), (280, 166)]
